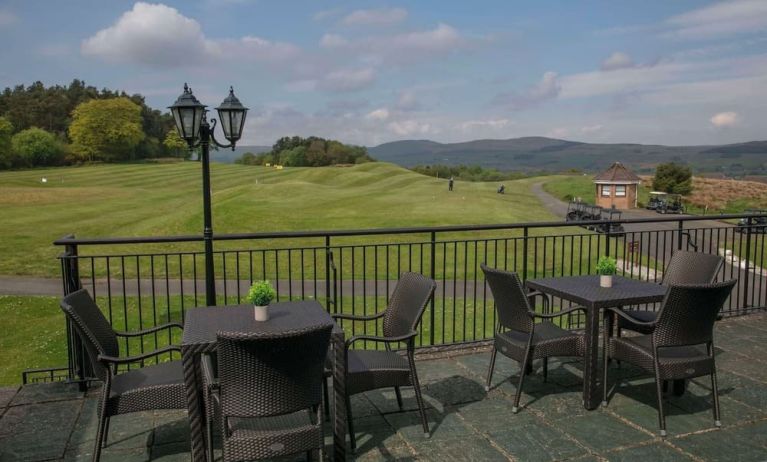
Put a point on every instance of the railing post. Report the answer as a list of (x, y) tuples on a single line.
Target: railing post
[(746, 258), (433, 274), (680, 235), (70, 273), (327, 274), (525, 234)]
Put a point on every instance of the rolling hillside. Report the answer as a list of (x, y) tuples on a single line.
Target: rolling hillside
[(547, 154), (165, 199)]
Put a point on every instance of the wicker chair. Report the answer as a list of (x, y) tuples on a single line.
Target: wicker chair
[(373, 369), (684, 268), (680, 345), (267, 397), (160, 386), (520, 337)]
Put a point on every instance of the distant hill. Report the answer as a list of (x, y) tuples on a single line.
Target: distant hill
[(547, 154), (227, 156)]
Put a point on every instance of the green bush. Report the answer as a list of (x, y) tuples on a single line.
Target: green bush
[(606, 266), (261, 293)]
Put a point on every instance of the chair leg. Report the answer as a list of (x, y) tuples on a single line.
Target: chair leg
[(545, 370), (659, 391), (418, 397), (605, 366), (102, 422), (106, 433), (715, 389), (326, 397), (209, 437), (522, 372), (493, 353), (352, 438), (399, 397)]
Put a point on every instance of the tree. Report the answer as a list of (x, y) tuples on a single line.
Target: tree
[(6, 155), (176, 145), (673, 178), (35, 146), (106, 129)]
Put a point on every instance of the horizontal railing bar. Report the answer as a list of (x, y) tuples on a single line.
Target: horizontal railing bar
[(390, 231)]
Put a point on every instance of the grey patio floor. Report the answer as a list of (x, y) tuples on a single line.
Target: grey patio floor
[(56, 422)]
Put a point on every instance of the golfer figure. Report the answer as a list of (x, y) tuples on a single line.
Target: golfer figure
[(450, 184)]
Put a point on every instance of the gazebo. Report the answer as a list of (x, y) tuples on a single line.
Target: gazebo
[(617, 187)]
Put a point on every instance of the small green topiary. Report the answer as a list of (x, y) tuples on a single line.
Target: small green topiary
[(607, 266), (261, 293)]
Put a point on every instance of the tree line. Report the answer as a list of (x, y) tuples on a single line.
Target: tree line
[(467, 172), (59, 125), (313, 151)]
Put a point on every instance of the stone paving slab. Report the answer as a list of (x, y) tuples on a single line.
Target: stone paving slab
[(58, 422)]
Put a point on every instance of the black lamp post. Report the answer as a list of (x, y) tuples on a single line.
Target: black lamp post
[(193, 127)]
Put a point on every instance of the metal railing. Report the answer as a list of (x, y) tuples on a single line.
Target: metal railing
[(142, 282)]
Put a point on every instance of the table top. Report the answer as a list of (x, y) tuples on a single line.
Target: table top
[(585, 290), (202, 324)]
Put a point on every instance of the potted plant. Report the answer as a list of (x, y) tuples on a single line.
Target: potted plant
[(606, 268), (261, 294)]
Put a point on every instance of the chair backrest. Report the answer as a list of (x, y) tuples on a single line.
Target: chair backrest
[(692, 268), (271, 374), (510, 299), (688, 313), (407, 304), (94, 329)]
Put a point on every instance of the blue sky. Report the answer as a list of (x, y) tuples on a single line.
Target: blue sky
[(681, 72)]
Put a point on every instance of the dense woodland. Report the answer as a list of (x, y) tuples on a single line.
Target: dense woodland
[(295, 151), (60, 125), (467, 172)]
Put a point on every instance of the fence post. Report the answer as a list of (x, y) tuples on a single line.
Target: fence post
[(525, 233), (327, 275), (680, 235), (746, 258), (70, 274), (433, 274)]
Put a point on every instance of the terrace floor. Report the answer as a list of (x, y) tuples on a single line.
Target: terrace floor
[(56, 422)]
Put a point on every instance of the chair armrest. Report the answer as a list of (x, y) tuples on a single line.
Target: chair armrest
[(353, 317), (374, 338), (151, 330), (558, 313), (538, 293), (134, 359), (623, 315)]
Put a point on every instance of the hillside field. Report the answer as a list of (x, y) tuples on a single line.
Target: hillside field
[(165, 200)]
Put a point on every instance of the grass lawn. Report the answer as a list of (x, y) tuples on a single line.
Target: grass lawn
[(165, 199)]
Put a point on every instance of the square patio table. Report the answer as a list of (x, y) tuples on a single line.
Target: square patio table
[(585, 291), (200, 328)]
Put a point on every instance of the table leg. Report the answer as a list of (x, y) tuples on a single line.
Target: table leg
[(339, 397), (591, 390), (190, 364)]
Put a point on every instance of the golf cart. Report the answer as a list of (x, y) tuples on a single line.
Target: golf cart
[(672, 203), (758, 224), (656, 198), (574, 211), (613, 229), (591, 213)]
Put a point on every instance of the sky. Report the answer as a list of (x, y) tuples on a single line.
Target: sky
[(677, 72)]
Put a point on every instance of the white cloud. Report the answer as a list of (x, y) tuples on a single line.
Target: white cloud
[(617, 60), (589, 129), (333, 41), (409, 127), (407, 101), (560, 132), (325, 14), (348, 79), (725, 119), (378, 114), (548, 88), (159, 36), (720, 19), (375, 17), (7, 18)]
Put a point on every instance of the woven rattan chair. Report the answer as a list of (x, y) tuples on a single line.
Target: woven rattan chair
[(159, 386), (520, 337), (684, 268), (268, 393), (373, 369), (680, 345)]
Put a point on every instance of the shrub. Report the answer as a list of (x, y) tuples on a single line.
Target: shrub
[(606, 266), (261, 293)]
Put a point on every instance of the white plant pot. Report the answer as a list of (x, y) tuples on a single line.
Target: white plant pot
[(261, 313), (605, 280)]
